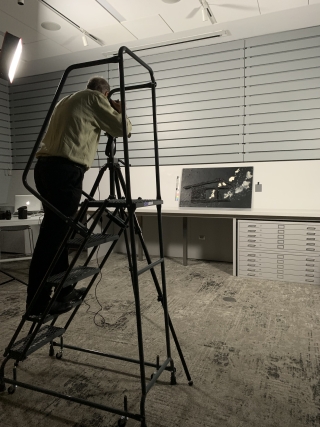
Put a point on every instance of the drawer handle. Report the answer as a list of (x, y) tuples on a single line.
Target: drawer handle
[(280, 261), (251, 240), (251, 260), (311, 238), (251, 269), (310, 259), (309, 280), (281, 242), (252, 246), (280, 256), (311, 244), (311, 228), (310, 265), (310, 249), (255, 255), (310, 269), (280, 246), (251, 265), (252, 235), (280, 276), (280, 226), (281, 231), (250, 274), (309, 275), (311, 234)]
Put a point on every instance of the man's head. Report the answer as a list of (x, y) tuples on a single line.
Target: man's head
[(100, 84)]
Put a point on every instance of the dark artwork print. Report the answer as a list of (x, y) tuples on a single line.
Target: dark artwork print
[(217, 187)]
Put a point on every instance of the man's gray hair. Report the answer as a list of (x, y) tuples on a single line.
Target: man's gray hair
[(98, 83)]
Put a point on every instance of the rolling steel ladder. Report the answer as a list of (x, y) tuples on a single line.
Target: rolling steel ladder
[(119, 209)]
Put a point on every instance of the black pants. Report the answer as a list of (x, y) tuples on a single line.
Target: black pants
[(60, 182)]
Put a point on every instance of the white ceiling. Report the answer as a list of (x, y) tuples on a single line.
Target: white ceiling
[(145, 23)]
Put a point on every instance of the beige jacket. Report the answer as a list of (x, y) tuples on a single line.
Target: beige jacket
[(76, 124)]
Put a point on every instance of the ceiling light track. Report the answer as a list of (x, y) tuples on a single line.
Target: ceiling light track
[(84, 32)]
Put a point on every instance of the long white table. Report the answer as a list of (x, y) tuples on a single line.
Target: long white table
[(235, 214)]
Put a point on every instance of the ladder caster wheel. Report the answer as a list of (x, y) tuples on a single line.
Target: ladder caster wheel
[(122, 422), (11, 389), (59, 355), (190, 383)]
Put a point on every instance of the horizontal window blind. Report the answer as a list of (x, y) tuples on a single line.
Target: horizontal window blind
[(282, 96), (5, 128), (247, 100)]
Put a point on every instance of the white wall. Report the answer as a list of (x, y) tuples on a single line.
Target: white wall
[(288, 188)]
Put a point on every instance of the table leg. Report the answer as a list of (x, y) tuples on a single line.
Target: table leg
[(185, 240), (140, 253)]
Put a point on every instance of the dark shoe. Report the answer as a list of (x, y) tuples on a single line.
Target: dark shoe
[(74, 295), (57, 308), (60, 307)]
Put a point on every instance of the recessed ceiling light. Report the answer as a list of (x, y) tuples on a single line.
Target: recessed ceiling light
[(50, 26), (170, 1)]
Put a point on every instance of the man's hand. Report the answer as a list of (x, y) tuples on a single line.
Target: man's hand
[(116, 105)]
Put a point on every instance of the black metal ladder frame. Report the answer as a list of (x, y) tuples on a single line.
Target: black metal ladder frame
[(129, 220)]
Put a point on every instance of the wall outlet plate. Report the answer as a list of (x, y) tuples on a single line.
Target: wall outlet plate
[(258, 188)]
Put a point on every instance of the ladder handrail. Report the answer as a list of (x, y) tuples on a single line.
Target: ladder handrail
[(114, 59)]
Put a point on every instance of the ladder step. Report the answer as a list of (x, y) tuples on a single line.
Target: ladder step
[(94, 240), (44, 336), (76, 274), (119, 203)]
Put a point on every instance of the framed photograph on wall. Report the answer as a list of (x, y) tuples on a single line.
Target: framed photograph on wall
[(229, 187)]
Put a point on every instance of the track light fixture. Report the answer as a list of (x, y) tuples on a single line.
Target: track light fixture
[(10, 56), (21, 2), (207, 12)]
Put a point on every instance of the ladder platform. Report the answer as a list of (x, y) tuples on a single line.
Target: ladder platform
[(76, 274), (121, 203), (44, 336), (94, 240)]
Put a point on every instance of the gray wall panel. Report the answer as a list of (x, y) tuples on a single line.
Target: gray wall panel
[(5, 141), (252, 100)]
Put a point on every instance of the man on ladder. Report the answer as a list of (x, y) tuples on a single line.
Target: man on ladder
[(67, 152)]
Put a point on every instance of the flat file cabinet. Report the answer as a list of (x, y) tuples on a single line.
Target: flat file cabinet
[(279, 250)]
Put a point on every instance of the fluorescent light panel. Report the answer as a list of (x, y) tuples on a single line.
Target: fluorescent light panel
[(9, 56), (107, 6)]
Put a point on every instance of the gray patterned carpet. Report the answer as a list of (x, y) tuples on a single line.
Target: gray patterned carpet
[(251, 346)]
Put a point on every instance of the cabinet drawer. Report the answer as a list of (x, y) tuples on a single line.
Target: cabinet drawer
[(280, 277), (280, 270), (273, 234), (290, 226), (280, 265), (279, 239), (301, 247), (262, 255)]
